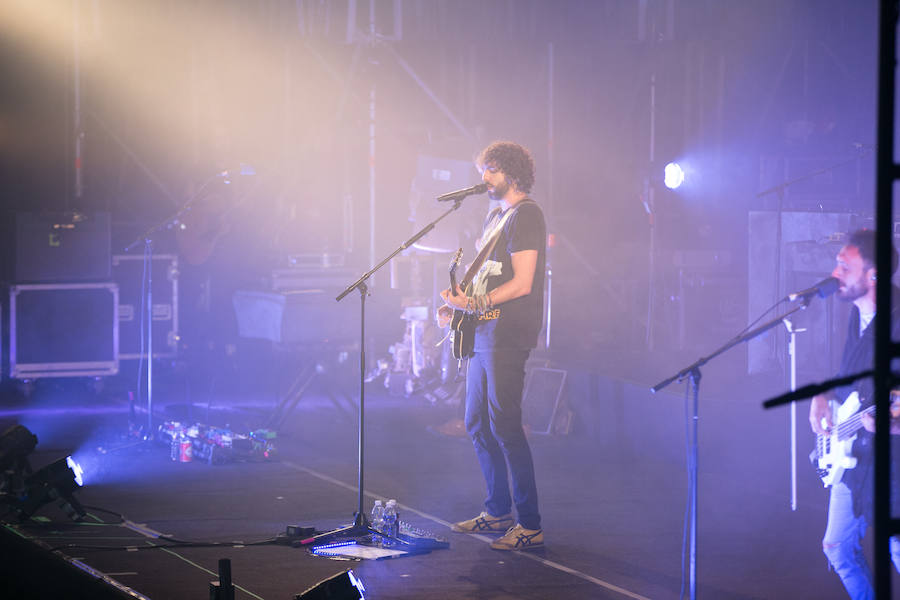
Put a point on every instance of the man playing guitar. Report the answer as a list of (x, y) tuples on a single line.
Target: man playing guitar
[(506, 303), (850, 503)]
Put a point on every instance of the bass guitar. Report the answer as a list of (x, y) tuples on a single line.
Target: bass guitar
[(832, 454)]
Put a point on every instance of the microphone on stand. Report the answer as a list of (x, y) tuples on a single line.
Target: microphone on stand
[(460, 194), (243, 169), (823, 289)]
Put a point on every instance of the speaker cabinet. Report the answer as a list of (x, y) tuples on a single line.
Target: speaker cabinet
[(63, 330), (60, 247)]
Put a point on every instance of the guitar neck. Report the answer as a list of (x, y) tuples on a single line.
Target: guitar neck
[(853, 423)]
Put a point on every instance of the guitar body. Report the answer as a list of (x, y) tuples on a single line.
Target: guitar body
[(833, 451), (462, 324), (462, 328)]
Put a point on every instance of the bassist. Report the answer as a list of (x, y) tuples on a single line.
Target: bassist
[(850, 503), (505, 302)]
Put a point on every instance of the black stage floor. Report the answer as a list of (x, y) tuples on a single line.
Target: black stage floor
[(612, 494)]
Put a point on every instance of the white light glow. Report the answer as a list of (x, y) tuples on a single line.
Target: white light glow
[(674, 176), (76, 469)]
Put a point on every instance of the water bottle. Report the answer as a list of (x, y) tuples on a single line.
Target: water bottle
[(390, 521), (395, 526), (377, 522)]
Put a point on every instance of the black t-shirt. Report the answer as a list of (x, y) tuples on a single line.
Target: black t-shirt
[(517, 323), (859, 355)]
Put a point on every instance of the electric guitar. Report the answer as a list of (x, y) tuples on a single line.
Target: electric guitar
[(832, 455), (462, 324)]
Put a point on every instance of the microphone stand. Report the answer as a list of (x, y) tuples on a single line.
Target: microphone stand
[(361, 526), (693, 371), (147, 239)]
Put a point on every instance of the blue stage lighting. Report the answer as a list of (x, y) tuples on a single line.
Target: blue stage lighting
[(77, 471), (673, 175), (56, 481)]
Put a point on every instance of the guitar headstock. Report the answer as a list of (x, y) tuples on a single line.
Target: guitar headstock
[(454, 264)]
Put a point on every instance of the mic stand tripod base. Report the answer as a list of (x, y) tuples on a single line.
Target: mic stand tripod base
[(360, 528)]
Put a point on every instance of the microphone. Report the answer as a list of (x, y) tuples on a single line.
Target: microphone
[(460, 194), (242, 169), (824, 288)]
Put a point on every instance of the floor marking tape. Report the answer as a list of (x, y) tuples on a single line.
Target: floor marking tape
[(483, 538), (152, 533)]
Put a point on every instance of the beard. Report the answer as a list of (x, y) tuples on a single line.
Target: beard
[(499, 191), (852, 292)]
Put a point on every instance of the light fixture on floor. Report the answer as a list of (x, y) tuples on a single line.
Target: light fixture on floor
[(343, 586), (16, 443), (57, 481)]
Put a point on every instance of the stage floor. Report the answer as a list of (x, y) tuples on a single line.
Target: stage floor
[(612, 495)]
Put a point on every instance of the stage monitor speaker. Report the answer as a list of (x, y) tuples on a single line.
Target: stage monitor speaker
[(542, 401), (343, 586)]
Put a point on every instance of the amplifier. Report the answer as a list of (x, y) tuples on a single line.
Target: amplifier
[(60, 247), (302, 316), (63, 330)]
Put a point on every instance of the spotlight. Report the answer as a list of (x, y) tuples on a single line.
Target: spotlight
[(76, 470), (673, 175), (16, 443), (343, 586), (56, 481)]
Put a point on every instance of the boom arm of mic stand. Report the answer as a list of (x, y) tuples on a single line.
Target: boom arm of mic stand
[(734, 342), (171, 218), (786, 184), (415, 238)]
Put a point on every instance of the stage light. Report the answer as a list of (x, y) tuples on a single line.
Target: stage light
[(673, 175), (343, 586), (56, 481), (76, 470), (16, 443)]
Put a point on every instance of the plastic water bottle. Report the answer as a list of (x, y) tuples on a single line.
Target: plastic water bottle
[(391, 521), (377, 522)]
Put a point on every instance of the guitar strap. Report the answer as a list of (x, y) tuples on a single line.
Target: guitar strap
[(491, 237), (491, 240)]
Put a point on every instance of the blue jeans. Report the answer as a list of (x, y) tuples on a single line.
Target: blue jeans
[(841, 545), (494, 385)]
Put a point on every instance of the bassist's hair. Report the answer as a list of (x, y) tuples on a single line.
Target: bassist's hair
[(864, 241)]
